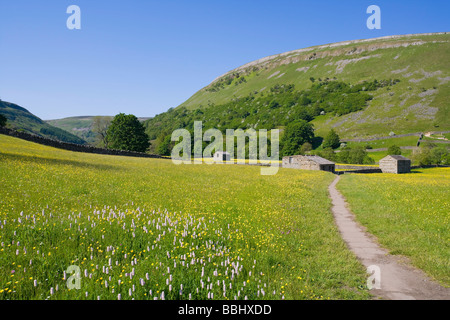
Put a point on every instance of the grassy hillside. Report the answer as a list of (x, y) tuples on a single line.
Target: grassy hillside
[(79, 126), (20, 118), (130, 219), (419, 102)]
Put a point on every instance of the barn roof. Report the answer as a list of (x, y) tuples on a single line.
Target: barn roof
[(319, 160), (396, 157)]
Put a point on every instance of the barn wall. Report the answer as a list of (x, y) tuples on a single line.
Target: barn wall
[(304, 164), (395, 166), (404, 166), (295, 163), (328, 167), (388, 166)]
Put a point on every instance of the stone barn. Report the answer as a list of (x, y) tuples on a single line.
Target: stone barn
[(308, 163), (221, 156), (395, 164)]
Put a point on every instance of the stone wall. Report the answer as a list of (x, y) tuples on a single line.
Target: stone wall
[(354, 167), (299, 162), (418, 134), (72, 146), (374, 170), (294, 162), (306, 164)]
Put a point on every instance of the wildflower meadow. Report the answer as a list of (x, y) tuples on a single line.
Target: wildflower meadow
[(85, 226)]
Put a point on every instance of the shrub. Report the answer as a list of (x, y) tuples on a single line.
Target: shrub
[(3, 120), (430, 154), (328, 154), (356, 155), (332, 140), (305, 148), (394, 150)]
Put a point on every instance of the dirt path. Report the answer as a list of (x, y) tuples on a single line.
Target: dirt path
[(398, 279)]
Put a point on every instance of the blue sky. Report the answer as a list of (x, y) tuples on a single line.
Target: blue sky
[(143, 56)]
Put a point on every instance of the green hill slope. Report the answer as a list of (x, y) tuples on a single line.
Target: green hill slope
[(20, 118), (418, 102), (79, 126)]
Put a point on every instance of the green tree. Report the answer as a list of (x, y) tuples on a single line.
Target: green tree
[(422, 156), (357, 155), (431, 154), (439, 155), (274, 104), (305, 148), (295, 135), (394, 150), (328, 154), (126, 132), (332, 140), (344, 155), (165, 146), (3, 120)]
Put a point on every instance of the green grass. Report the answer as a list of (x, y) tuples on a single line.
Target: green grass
[(386, 143), (409, 214), (432, 139), (59, 208)]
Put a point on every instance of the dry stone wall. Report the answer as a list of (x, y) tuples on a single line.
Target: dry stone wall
[(72, 146)]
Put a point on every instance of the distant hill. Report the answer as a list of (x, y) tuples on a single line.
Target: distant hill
[(406, 77), (80, 126), (21, 119)]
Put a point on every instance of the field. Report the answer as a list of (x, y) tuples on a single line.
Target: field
[(147, 229), (386, 143), (409, 214)]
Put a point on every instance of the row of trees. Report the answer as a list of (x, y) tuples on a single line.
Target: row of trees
[(357, 155), (431, 154), (299, 138)]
